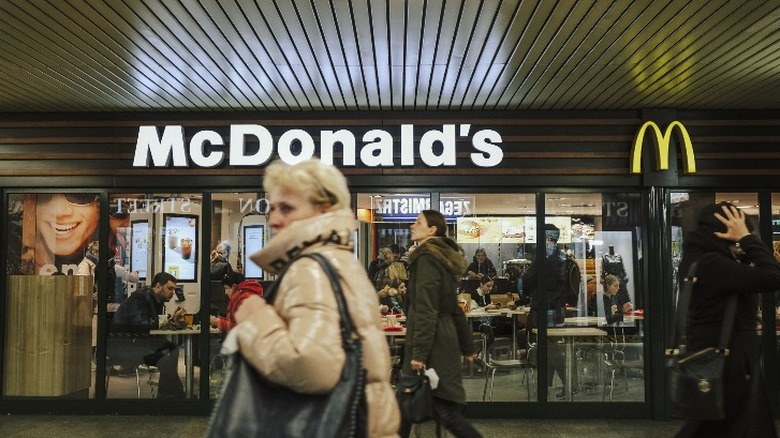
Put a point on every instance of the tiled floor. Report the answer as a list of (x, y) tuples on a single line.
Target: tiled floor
[(592, 382), (34, 426)]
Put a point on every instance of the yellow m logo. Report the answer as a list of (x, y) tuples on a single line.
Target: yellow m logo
[(662, 147)]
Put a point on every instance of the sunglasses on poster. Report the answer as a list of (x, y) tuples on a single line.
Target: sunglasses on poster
[(78, 199)]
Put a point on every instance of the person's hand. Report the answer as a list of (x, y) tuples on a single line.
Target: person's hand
[(384, 309), (416, 365), (471, 358), (213, 321), (627, 307), (613, 309), (179, 312), (472, 274), (248, 307), (734, 220)]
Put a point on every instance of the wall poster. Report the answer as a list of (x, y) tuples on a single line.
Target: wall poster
[(48, 233)]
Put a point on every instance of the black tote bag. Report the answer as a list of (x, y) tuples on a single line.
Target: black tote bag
[(250, 406), (695, 380)]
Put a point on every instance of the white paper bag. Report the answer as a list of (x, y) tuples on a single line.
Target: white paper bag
[(433, 377)]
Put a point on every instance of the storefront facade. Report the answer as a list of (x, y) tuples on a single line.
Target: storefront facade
[(163, 191)]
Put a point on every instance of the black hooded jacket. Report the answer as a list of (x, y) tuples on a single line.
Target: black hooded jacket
[(720, 275)]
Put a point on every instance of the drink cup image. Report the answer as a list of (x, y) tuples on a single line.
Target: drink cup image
[(173, 241), (186, 248)]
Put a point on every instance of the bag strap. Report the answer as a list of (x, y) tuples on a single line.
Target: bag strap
[(678, 334), (347, 326)]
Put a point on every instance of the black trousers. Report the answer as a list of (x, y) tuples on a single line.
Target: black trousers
[(448, 415), (130, 352)]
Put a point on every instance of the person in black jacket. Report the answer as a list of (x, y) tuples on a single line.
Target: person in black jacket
[(731, 261), (220, 261), (555, 312), (481, 266), (134, 318)]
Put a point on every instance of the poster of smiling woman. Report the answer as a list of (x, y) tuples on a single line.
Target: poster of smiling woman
[(49, 233)]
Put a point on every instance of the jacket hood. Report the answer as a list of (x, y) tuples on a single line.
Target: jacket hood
[(334, 228), (446, 251), (703, 239), (251, 287)]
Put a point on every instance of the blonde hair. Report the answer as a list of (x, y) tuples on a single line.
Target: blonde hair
[(321, 183), (385, 254), (610, 279)]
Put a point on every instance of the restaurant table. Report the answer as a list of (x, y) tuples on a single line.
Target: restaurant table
[(393, 334), (502, 312), (599, 320), (189, 367), (569, 334)]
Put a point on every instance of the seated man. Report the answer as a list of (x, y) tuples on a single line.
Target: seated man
[(139, 314)]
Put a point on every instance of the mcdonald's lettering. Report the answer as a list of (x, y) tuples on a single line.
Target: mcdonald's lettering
[(662, 147)]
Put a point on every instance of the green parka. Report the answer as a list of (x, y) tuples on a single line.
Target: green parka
[(431, 334)]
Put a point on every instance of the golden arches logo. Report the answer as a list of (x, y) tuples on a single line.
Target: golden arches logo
[(662, 147)]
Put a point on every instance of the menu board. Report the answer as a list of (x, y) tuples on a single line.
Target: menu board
[(253, 242), (139, 247), (492, 230), (180, 243)]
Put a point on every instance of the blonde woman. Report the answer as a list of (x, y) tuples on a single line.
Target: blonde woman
[(296, 342)]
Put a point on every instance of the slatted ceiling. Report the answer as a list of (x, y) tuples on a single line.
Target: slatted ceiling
[(286, 55)]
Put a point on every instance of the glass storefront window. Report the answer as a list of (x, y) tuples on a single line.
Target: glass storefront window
[(384, 223), (592, 285), (497, 234), (50, 294), (154, 283), (238, 230)]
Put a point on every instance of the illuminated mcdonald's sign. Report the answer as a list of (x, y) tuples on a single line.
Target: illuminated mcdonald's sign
[(662, 147)]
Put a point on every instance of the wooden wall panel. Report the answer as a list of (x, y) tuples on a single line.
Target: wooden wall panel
[(561, 148)]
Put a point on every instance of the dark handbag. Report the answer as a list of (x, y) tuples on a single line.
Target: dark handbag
[(415, 398), (695, 380), (251, 406)]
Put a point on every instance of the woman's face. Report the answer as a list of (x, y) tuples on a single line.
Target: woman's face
[(228, 290), (613, 288), (65, 224), (481, 256), (420, 229), (288, 206)]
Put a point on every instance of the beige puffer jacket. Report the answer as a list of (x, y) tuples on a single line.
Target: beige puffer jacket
[(297, 341)]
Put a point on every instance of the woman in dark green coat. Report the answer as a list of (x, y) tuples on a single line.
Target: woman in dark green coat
[(431, 331)]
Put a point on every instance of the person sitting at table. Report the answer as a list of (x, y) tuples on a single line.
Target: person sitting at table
[(481, 266), (237, 289), (615, 304), (392, 296), (137, 315), (480, 297), (220, 260)]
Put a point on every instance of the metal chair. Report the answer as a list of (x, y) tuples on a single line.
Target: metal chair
[(492, 365), (152, 379), (615, 362)]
